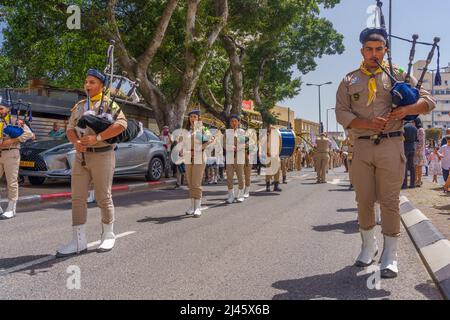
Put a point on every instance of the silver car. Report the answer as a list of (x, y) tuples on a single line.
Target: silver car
[(145, 155)]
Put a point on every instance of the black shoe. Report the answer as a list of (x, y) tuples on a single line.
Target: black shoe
[(412, 187), (176, 186), (268, 186), (284, 180), (388, 274), (276, 187)]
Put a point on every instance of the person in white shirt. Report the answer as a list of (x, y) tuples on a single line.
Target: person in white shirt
[(445, 163)]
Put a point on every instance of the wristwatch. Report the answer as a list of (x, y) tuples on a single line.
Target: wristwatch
[(99, 138)]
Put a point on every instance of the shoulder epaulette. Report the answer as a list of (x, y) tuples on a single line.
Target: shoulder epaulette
[(76, 105)]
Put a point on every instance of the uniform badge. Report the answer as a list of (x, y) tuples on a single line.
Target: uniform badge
[(356, 97), (354, 80)]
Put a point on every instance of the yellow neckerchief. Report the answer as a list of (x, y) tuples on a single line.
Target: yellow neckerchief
[(94, 99), (4, 121), (372, 85)]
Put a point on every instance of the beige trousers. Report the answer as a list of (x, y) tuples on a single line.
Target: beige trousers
[(377, 174), (322, 160), (231, 169), (9, 165), (194, 177), (99, 171)]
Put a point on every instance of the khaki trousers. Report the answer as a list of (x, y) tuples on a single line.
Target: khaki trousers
[(377, 174), (247, 174), (9, 165), (99, 171), (321, 162), (194, 177), (231, 169), (284, 164)]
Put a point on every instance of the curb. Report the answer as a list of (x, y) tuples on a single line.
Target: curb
[(66, 195), (432, 246)]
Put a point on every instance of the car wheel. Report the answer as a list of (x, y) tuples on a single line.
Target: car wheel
[(155, 170), (36, 181)]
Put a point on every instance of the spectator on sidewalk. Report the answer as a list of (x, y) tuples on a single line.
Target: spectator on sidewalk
[(166, 139), (419, 158), (410, 150), (57, 132), (444, 139), (445, 162), (435, 164)]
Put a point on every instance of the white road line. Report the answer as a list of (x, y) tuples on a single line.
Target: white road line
[(4, 272)]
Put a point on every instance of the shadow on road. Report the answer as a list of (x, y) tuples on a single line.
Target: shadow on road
[(347, 210), (50, 261), (350, 283), (348, 227), (163, 220)]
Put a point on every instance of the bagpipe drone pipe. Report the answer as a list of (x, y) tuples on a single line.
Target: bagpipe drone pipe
[(402, 92), (14, 129)]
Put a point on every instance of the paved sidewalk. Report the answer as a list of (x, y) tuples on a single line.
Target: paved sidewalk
[(431, 200)]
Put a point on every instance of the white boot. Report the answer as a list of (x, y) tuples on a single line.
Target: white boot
[(10, 211), (247, 192), (388, 259), (77, 245), (240, 196), (91, 196), (108, 238), (369, 248), (377, 213), (197, 211), (191, 208), (230, 196)]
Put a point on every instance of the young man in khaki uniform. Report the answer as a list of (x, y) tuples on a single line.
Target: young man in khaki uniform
[(363, 104), (94, 162), (322, 157), (274, 163), (10, 159), (235, 160)]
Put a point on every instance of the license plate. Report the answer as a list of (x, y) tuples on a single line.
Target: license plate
[(28, 164)]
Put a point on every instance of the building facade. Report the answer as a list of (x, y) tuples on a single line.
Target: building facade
[(440, 117)]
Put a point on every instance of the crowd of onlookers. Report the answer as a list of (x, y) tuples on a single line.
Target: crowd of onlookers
[(432, 157)]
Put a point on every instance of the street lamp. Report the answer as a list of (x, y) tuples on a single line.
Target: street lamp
[(320, 112), (327, 118)]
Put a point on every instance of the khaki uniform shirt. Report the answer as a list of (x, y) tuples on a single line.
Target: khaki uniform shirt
[(323, 145), (352, 97), (78, 110)]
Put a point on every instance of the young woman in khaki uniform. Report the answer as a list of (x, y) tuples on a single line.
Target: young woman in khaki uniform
[(10, 160), (198, 139)]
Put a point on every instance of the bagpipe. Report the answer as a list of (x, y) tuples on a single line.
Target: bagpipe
[(403, 93), (102, 119), (14, 129)]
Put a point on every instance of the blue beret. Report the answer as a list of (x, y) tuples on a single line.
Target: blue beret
[(97, 74), (366, 33), (235, 116), (197, 112)]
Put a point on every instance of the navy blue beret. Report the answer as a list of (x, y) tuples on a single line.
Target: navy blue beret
[(235, 116), (197, 112), (97, 74), (366, 33)]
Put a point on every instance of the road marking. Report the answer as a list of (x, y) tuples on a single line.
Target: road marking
[(4, 272)]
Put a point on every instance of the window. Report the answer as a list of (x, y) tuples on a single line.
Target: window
[(141, 139), (151, 136)]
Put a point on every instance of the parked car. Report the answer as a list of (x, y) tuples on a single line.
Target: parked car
[(45, 159)]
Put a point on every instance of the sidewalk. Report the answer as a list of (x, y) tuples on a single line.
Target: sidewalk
[(431, 200), (60, 190)]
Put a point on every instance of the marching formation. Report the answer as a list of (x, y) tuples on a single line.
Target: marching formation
[(371, 104)]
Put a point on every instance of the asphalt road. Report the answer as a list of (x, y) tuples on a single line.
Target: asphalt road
[(297, 244)]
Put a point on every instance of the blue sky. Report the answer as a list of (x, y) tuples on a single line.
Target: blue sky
[(428, 18)]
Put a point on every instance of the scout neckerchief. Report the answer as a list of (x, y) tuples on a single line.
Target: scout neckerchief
[(4, 121), (93, 100), (372, 85)]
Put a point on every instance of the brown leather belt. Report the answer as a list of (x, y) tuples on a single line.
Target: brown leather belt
[(98, 150)]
